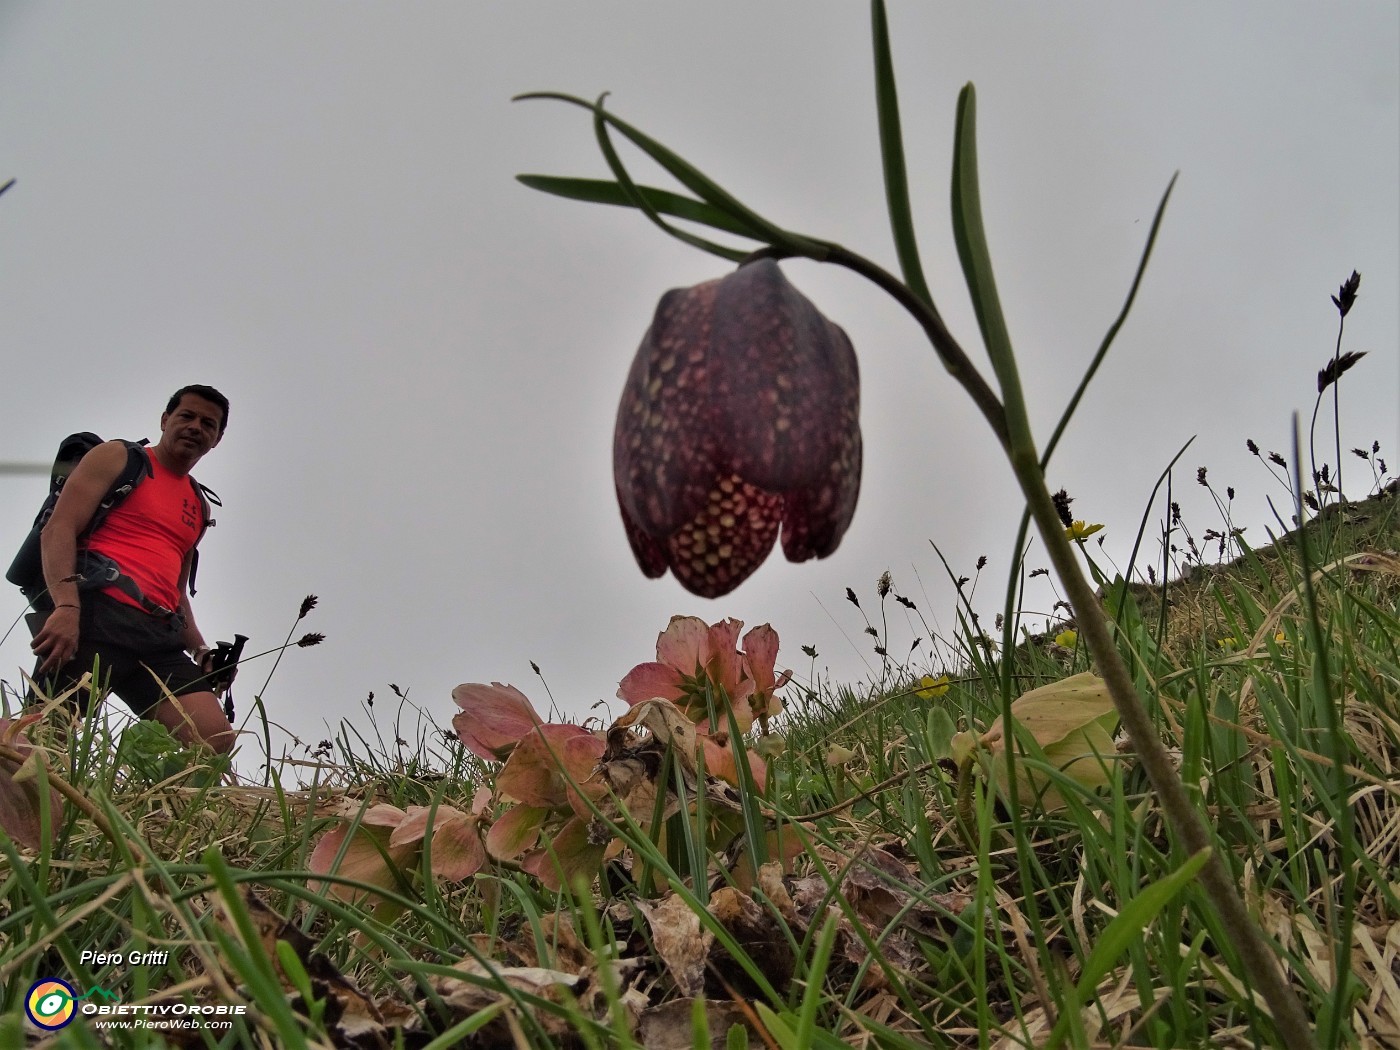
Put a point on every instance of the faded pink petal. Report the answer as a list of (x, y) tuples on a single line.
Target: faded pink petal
[(761, 651), (684, 645), (533, 774), (364, 859), (568, 856), (20, 803), (481, 801), (581, 757), (650, 682), (494, 718), (414, 826), (517, 830), (719, 762), (760, 656), (457, 852), (384, 815), (726, 663)]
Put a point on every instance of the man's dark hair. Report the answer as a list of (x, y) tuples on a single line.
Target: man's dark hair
[(206, 392)]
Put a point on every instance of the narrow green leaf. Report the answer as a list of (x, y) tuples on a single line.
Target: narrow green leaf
[(778, 1027), (454, 1036), (1126, 927), (634, 195), (971, 239), (816, 976), (1112, 330), (892, 155), (692, 178), (602, 191)]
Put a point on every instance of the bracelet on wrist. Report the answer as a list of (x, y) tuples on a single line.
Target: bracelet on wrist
[(68, 605)]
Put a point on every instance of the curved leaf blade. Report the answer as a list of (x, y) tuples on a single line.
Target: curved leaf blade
[(624, 181), (971, 239), (692, 178), (1112, 329), (892, 157), (1127, 926), (603, 191)]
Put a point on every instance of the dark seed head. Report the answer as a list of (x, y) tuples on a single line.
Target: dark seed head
[(1345, 298)]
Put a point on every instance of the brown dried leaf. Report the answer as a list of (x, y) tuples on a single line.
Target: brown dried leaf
[(682, 942), (757, 933)]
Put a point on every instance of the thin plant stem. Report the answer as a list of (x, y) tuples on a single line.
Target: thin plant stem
[(1011, 419)]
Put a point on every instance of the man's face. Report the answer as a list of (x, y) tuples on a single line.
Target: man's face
[(193, 428)]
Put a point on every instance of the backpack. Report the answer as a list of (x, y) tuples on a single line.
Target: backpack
[(27, 570)]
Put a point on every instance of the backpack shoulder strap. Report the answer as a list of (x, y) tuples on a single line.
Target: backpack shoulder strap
[(138, 468), (208, 499)]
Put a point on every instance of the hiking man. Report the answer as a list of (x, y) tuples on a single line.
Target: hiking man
[(143, 622)]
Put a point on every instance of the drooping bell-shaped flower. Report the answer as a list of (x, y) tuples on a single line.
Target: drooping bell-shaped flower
[(740, 419)]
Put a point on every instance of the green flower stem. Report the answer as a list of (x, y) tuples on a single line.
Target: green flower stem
[(1260, 961), (954, 359)]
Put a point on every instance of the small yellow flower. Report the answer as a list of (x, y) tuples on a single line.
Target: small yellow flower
[(1079, 532), (1067, 638), (930, 687)]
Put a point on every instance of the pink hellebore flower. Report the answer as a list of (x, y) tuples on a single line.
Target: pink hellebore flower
[(740, 417), (493, 720), (20, 802), (369, 857), (547, 776), (689, 656)]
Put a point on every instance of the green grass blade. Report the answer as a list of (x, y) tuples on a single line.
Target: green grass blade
[(816, 974), (1118, 935)]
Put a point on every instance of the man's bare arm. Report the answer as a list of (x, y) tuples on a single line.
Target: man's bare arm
[(57, 641)]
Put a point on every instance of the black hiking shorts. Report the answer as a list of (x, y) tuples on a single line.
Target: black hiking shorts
[(133, 654)]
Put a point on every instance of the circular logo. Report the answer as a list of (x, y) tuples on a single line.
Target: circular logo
[(50, 1003)]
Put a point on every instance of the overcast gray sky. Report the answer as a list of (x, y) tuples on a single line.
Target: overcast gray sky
[(312, 206)]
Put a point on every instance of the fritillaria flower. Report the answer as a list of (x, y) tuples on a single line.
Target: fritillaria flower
[(740, 419)]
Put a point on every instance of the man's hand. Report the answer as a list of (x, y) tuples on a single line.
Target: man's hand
[(57, 641)]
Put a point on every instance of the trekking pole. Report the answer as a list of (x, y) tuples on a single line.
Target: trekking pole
[(225, 662)]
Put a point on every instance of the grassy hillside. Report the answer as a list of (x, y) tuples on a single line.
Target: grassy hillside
[(879, 892)]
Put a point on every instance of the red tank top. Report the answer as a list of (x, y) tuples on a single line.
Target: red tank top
[(149, 533)]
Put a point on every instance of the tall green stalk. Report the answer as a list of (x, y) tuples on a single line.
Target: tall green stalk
[(1006, 414)]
